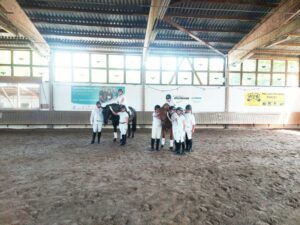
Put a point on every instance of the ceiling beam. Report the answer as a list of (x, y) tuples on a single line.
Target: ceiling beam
[(65, 35), (252, 3), (276, 52), (70, 22), (106, 12), (276, 24), (171, 22), (291, 44), (19, 19)]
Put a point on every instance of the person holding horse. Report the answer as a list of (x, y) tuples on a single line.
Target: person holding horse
[(123, 122), (190, 124), (179, 130), (156, 128), (96, 120)]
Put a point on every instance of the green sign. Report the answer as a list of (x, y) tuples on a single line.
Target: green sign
[(88, 95)]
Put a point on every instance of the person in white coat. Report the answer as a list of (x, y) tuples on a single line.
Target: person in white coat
[(179, 131), (96, 120), (156, 128), (123, 122), (190, 124)]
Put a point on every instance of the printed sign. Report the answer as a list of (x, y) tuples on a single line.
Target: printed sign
[(264, 99), (88, 95)]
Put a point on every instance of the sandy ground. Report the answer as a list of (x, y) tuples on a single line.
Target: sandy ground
[(233, 177)]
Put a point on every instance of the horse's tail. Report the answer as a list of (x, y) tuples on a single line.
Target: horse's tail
[(134, 119)]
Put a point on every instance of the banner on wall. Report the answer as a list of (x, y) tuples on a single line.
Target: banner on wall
[(85, 97), (264, 99)]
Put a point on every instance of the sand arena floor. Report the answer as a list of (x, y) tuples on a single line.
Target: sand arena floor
[(233, 177)]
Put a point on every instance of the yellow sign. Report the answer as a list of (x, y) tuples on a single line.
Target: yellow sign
[(264, 99)]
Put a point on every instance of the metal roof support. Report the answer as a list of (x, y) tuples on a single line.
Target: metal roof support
[(277, 23), (157, 11), (179, 27), (24, 26)]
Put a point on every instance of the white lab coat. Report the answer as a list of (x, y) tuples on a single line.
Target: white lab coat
[(123, 125), (178, 128), (189, 123), (156, 127), (96, 119)]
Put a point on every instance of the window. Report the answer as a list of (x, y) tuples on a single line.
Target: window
[(22, 71), (185, 78), (293, 67), (41, 72), (201, 64), (133, 62), (62, 59), (98, 60), (99, 76), (248, 79), (5, 57), (133, 76), (81, 75), (279, 66), (293, 80), (167, 77), (38, 60), (22, 96), (116, 76), (21, 57), (235, 67), (249, 66), (216, 64), (153, 63), (152, 77), (63, 74), (200, 78), (116, 61), (263, 79), (184, 64), (216, 79), (81, 60), (5, 71), (234, 79), (169, 63), (278, 80), (264, 65)]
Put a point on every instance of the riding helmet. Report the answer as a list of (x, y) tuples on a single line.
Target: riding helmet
[(171, 108), (120, 90), (157, 107), (123, 107), (179, 109), (188, 107), (168, 96), (98, 103)]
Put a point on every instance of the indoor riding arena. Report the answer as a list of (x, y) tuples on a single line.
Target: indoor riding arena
[(149, 112)]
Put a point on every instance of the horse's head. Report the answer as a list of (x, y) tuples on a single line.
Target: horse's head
[(107, 114)]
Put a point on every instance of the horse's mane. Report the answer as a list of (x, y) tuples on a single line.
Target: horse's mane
[(116, 107)]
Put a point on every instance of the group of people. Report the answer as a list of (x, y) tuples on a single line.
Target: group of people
[(183, 127), (183, 124)]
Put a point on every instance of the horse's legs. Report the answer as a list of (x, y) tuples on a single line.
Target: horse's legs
[(129, 130), (171, 139), (115, 132), (163, 140)]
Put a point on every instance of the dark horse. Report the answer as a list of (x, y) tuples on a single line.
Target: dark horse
[(107, 115), (165, 122)]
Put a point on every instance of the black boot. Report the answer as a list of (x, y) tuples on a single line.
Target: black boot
[(177, 148), (99, 136), (93, 138), (157, 144), (152, 144), (125, 139), (186, 143), (183, 148), (122, 140), (191, 145)]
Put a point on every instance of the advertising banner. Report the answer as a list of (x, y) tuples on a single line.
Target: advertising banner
[(264, 99)]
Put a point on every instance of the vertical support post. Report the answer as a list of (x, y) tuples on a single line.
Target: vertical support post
[(51, 79), (143, 79), (226, 76)]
